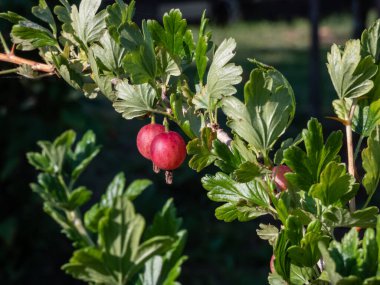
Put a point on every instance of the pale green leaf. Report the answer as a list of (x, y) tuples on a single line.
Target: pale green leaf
[(134, 100), (221, 78), (268, 109), (43, 12), (350, 73)]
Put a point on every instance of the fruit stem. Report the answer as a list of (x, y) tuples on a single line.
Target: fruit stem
[(169, 177), (166, 124), (152, 119)]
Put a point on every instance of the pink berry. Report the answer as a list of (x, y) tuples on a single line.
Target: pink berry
[(145, 137), (168, 150), (279, 178)]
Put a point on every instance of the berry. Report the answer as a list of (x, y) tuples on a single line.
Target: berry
[(168, 150), (145, 137), (279, 178)]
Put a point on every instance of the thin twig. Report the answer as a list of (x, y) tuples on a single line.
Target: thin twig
[(37, 66)]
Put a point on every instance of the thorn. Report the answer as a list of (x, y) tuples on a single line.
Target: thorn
[(13, 49), (344, 122), (4, 44)]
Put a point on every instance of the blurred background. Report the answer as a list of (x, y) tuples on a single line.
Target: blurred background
[(292, 35)]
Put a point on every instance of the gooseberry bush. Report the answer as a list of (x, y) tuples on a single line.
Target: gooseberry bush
[(147, 71)]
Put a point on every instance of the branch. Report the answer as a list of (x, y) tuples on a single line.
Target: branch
[(37, 66), (350, 149)]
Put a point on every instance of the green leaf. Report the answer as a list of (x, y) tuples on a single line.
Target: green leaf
[(243, 200), (301, 275), (85, 151), (366, 117), (246, 172), (350, 73), (141, 64), (29, 35), (371, 163), (136, 188), (337, 217), (330, 265), (171, 34), (109, 53), (307, 253), (12, 17), (367, 263), (221, 78), (152, 271), (268, 109), (103, 82), (307, 166), (336, 186), (279, 155), (93, 216), (282, 261), (228, 158), (78, 198), (87, 265), (371, 41), (43, 12), (165, 222), (115, 189), (185, 116), (88, 25), (134, 100), (201, 58), (120, 233), (200, 149), (119, 14)]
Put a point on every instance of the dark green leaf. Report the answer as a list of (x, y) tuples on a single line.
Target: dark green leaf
[(12, 17), (336, 186), (371, 162), (29, 35), (200, 149), (307, 166), (371, 41), (338, 217), (78, 198), (201, 58), (246, 172), (136, 188), (87, 265)]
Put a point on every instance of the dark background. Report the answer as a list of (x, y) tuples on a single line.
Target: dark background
[(31, 246)]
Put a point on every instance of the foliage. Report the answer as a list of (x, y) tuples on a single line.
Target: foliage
[(143, 71), (120, 250)]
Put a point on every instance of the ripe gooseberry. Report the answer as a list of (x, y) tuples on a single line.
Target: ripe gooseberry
[(168, 151), (145, 137), (279, 178)]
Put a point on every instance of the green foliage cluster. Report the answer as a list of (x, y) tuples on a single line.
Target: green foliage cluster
[(112, 244), (142, 70)]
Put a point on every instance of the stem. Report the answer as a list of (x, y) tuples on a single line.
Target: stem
[(4, 44), (37, 66), (357, 149), (8, 71), (76, 220), (350, 149)]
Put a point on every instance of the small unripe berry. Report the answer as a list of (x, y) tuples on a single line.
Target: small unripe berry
[(145, 137), (279, 178)]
